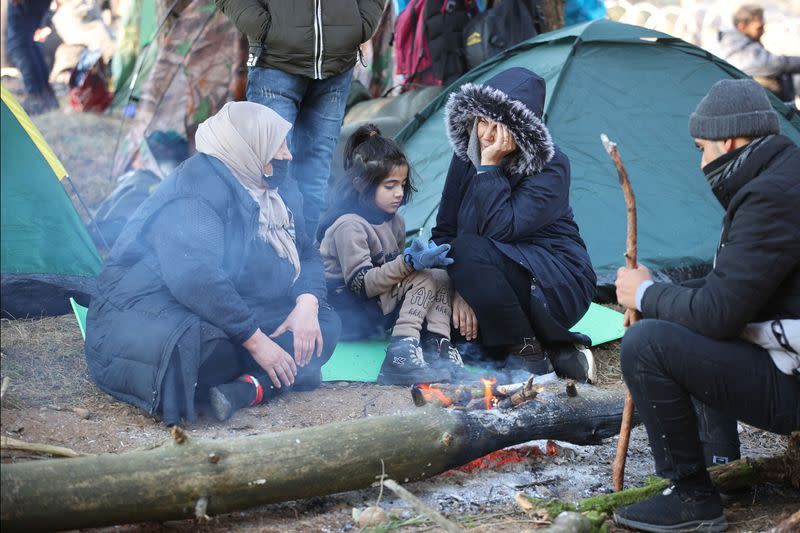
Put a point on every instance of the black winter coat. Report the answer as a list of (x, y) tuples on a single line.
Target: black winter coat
[(313, 38), (756, 274), (178, 276), (523, 205)]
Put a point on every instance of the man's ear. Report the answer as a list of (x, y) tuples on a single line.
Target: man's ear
[(728, 145)]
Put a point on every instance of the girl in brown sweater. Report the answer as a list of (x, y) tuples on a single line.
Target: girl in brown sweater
[(373, 281)]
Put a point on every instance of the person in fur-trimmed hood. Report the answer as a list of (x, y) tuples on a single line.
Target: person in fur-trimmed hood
[(522, 273)]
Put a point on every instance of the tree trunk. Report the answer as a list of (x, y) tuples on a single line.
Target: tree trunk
[(220, 476)]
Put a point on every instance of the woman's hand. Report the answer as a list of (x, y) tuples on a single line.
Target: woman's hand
[(503, 145), (464, 319), (279, 365), (303, 322)]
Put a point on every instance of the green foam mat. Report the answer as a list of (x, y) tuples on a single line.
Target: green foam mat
[(361, 361)]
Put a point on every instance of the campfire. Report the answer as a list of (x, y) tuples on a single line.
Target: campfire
[(483, 395)]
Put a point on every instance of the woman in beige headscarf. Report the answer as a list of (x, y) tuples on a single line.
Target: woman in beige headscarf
[(210, 298)]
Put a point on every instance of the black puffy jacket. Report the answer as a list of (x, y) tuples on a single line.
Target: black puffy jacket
[(313, 38), (756, 274)]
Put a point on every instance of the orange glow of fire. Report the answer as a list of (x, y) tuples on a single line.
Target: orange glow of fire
[(551, 448), (500, 458), (488, 397), (432, 392)]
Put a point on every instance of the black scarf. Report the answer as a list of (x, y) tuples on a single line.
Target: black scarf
[(719, 172)]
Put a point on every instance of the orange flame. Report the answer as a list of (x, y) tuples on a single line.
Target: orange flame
[(552, 449), (432, 392), (488, 397)]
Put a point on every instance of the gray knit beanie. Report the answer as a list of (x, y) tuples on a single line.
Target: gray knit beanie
[(733, 108)]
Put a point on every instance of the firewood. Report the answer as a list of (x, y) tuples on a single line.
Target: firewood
[(790, 525), (631, 315), (166, 483), (9, 443), (421, 508)]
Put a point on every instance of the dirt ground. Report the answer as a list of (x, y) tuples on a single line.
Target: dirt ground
[(43, 359)]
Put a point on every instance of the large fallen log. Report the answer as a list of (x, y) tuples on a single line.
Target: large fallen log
[(172, 481)]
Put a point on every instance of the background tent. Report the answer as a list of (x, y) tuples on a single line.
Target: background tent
[(47, 254), (191, 79), (639, 87)]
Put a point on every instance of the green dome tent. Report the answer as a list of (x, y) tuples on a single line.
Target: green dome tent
[(46, 253), (636, 85)]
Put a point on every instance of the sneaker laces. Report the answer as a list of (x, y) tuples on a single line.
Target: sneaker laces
[(454, 356), (415, 352)]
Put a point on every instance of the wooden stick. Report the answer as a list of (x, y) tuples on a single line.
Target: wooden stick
[(422, 508), (4, 387), (631, 315), (9, 443)]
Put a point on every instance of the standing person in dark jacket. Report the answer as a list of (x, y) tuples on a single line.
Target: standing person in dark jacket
[(732, 339), (522, 274), (302, 55), (24, 18), (210, 297)]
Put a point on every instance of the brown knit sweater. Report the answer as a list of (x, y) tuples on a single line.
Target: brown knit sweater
[(367, 258)]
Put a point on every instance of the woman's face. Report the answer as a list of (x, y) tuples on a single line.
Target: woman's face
[(487, 129), (390, 193), (283, 155)]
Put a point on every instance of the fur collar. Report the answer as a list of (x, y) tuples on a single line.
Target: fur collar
[(530, 133)]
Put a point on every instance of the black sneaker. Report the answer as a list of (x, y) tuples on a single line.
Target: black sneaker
[(405, 365), (228, 398), (439, 353), (528, 356), (574, 362), (673, 511)]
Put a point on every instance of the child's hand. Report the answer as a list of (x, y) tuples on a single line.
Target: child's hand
[(420, 257)]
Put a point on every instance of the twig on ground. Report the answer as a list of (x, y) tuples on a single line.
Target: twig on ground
[(9, 443), (4, 387), (422, 508)]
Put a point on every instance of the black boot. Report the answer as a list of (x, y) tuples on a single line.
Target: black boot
[(675, 510), (229, 397), (405, 365), (528, 356), (440, 354), (575, 362)]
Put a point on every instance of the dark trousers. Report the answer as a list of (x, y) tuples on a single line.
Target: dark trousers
[(225, 361), (497, 289), (23, 20), (666, 366)]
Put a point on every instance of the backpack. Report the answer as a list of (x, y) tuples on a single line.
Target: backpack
[(500, 27), (428, 43)]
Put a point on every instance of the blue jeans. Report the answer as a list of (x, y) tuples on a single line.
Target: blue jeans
[(316, 110), (23, 20), (667, 367)]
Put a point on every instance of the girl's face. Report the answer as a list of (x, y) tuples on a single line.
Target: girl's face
[(390, 192)]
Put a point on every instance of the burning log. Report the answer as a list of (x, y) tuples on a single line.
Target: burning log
[(167, 482)]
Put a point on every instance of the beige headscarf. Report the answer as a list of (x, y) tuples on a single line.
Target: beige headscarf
[(245, 136)]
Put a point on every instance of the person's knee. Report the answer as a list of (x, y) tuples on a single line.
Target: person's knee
[(468, 253), (642, 344)]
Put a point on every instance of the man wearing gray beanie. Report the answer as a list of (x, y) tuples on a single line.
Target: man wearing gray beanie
[(728, 342)]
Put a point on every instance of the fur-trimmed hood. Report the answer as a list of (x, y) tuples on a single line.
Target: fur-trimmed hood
[(515, 98)]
